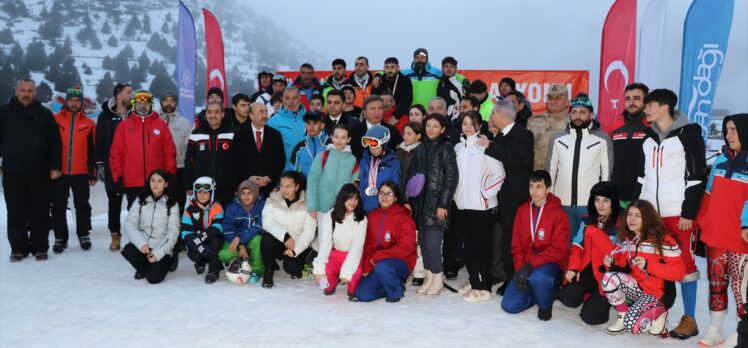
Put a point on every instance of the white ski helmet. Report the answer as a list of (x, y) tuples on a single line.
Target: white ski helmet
[(238, 271), (204, 183)]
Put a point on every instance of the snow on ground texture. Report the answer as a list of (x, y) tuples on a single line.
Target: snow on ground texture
[(90, 299)]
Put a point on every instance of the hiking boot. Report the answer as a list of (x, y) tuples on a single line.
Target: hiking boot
[(85, 242), (211, 277), (200, 268), (59, 246), (686, 329), (41, 256), (545, 314), (116, 239), (16, 257), (139, 275)]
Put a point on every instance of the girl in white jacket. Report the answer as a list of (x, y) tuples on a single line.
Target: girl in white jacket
[(480, 179), (341, 242), (152, 226), (290, 229)]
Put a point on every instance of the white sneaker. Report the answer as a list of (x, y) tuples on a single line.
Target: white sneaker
[(464, 288), (617, 327), (477, 296), (713, 337), (659, 325)]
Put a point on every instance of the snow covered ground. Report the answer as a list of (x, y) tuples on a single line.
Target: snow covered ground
[(89, 299)]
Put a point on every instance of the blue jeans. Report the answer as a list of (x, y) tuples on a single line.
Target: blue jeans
[(386, 280), (575, 215), (542, 290)]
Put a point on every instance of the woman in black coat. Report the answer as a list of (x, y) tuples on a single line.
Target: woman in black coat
[(435, 159)]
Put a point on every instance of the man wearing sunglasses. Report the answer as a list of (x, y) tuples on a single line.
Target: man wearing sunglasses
[(373, 113)]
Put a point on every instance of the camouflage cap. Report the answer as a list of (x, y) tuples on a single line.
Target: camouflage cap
[(558, 89)]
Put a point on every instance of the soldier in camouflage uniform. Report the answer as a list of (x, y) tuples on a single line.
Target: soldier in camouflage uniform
[(545, 125)]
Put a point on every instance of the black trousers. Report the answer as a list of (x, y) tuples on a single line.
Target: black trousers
[(179, 194), (154, 272), (272, 249), (60, 192), (27, 202), (477, 231), (507, 212), (215, 241), (595, 309), (115, 211), (452, 245), (132, 194), (497, 263)]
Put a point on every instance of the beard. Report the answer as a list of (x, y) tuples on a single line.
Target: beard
[(168, 109), (142, 110)]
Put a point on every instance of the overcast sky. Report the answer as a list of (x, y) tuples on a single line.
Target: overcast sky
[(494, 35)]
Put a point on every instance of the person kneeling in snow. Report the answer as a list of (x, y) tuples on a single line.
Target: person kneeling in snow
[(242, 229), (152, 226), (389, 249), (540, 248), (593, 241), (341, 242), (646, 257), (202, 227)]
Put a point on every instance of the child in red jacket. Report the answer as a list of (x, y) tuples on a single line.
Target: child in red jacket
[(646, 256), (540, 248)]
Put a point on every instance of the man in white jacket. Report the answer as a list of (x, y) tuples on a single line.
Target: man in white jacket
[(578, 158)]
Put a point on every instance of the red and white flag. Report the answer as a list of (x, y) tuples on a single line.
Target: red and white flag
[(617, 61), (214, 53)]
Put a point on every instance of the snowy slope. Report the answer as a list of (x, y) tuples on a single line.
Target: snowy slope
[(89, 299)]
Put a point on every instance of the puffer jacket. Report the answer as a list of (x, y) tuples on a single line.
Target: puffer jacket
[(238, 222), (180, 130), (77, 133), (106, 124), (425, 80), (324, 181), (305, 151), (577, 160), (549, 243), (280, 220), (347, 236), (390, 234), (141, 145), (29, 140), (660, 267), (436, 159), (388, 170), (209, 154), (672, 171), (480, 176), (291, 127), (153, 223)]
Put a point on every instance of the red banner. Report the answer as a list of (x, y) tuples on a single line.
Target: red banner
[(617, 61), (214, 53), (533, 84)]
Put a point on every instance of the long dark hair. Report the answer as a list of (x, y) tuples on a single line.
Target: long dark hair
[(652, 228), (146, 192), (338, 211)]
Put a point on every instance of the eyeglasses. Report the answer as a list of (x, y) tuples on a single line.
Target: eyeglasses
[(388, 194), (373, 143), (203, 187)]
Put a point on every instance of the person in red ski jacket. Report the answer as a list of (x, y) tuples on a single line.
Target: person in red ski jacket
[(389, 250), (540, 249), (142, 143), (645, 258), (592, 242)]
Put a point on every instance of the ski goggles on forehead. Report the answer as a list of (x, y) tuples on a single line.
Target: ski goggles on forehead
[(203, 187), (142, 97), (373, 143)]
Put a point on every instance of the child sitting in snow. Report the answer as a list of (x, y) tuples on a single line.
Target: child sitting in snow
[(242, 229), (202, 224)]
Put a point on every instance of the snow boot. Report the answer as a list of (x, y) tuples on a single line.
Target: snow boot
[(464, 288), (686, 329), (16, 257), (545, 314), (211, 277), (116, 239), (437, 285), (476, 296), (426, 284), (85, 242), (41, 256), (174, 262), (59, 246), (139, 275), (200, 268), (617, 327), (659, 325), (713, 338)]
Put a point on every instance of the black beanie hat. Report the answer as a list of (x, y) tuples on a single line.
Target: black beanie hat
[(608, 190), (510, 82)]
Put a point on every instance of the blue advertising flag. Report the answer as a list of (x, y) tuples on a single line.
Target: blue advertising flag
[(186, 58), (705, 34)]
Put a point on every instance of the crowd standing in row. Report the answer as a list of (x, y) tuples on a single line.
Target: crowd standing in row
[(366, 179)]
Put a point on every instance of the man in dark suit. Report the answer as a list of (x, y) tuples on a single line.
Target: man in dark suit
[(335, 100), (258, 151), (513, 146), (373, 111)]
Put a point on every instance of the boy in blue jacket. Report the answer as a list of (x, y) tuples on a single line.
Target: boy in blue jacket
[(242, 229)]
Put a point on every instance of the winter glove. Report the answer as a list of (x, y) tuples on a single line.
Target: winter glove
[(194, 244), (100, 172), (520, 279)]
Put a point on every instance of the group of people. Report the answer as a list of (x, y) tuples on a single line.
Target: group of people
[(367, 179)]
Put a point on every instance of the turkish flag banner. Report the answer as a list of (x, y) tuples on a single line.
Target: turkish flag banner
[(617, 61), (214, 53)]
